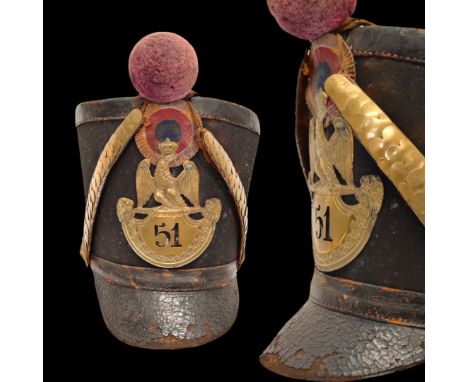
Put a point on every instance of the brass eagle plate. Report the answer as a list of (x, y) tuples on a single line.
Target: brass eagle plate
[(343, 212), (178, 229)]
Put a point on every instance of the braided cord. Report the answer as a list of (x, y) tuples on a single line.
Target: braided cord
[(111, 152), (225, 167)]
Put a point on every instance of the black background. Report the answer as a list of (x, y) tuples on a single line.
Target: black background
[(244, 57)]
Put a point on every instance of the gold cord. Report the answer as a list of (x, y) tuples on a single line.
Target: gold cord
[(111, 152), (224, 165)]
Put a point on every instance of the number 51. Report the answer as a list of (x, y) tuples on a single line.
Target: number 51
[(319, 221), (167, 235)]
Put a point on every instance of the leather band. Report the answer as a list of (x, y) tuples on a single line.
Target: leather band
[(118, 108), (160, 279), (393, 306)]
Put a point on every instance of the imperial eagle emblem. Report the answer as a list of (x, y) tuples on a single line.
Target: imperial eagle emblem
[(344, 211), (167, 190), (178, 229), (343, 214)]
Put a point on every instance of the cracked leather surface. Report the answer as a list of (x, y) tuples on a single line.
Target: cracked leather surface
[(159, 320), (321, 345), (171, 319)]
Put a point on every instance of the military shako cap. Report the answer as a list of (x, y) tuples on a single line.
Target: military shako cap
[(360, 137), (166, 175)]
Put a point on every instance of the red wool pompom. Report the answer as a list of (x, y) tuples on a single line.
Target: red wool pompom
[(163, 67), (309, 19)]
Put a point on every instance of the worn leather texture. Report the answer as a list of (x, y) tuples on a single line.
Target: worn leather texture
[(168, 280), (209, 108), (322, 345), (395, 254), (163, 318), (390, 69), (167, 320), (394, 306)]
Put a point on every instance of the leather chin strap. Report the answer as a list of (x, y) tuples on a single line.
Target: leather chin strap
[(397, 157), (114, 148)]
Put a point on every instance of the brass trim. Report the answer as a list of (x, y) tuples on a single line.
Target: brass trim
[(340, 230), (189, 237), (397, 157)]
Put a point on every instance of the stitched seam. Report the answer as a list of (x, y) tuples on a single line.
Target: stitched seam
[(205, 116), (96, 119), (128, 284), (369, 316), (226, 120), (380, 53)]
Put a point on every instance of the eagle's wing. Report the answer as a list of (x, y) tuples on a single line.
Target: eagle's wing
[(188, 183), (342, 150), (312, 150), (145, 186)]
